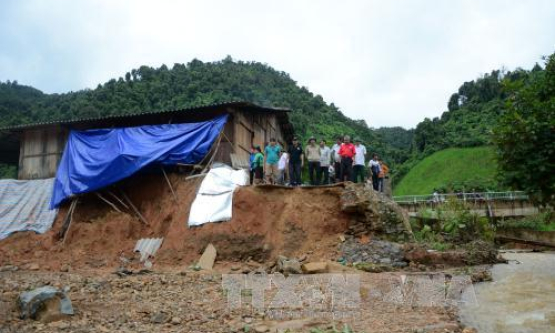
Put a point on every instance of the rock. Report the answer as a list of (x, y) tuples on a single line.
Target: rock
[(288, 266), (61, 325), (247, 320), (482, 276), (373, 211), (208, 257), (159, 318), (65, 268), (235, 267), (373, 268), (341, 238), (9, 268), (46, 304), (315, 267), (261, 328), (34, 267), (469, 330), (176, 320), (399, 264)]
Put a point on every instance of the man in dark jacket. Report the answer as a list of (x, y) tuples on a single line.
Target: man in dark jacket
[(296, 162)]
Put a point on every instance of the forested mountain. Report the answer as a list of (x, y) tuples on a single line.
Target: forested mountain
[(473, 113), (197, 83)]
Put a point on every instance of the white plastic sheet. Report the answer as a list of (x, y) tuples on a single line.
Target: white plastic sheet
[(214, 200), (24, 206)]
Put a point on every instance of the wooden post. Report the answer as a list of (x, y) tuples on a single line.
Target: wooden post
[(214, 149), (108, 202), (169, 183), (141, 217), (213, 154), (69, 219), (118, 199)]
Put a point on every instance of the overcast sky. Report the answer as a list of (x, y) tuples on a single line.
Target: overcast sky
[(389, 62)]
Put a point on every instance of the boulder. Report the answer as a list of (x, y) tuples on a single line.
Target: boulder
[(288, 266), (315, 267), (159, 318), (46, 304), (206, 261), (374, 211)]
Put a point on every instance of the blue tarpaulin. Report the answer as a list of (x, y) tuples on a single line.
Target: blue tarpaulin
[(94, 159)]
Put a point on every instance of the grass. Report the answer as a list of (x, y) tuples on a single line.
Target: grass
[(451, 169), (540, 222)]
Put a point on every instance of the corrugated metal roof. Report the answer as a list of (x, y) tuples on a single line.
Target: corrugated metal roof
[(148, 247), (238, 103)]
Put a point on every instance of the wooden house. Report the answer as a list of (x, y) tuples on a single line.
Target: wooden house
[(37, 148)]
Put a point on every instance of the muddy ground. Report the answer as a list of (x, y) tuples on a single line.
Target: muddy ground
[(266, 223), (303, 223), (196, 302)]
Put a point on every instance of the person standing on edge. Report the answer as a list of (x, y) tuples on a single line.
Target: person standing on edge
[(271, 159), (337, 159), (258, 166), (296, 162), (358, 168), (374, 165), (347, 153), (312, 152), (384, 169), (325, 159), (282, 167)]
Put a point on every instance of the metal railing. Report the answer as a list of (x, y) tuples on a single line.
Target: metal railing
[(464, 196)]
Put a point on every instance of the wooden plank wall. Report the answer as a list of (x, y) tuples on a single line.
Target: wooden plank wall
[(40, 152), (254, 129)]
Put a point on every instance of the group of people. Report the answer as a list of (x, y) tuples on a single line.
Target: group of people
[(344, 161)]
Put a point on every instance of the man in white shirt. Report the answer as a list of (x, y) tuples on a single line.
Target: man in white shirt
[(358, 163), (337, 159), (325, 160), (282, 167)]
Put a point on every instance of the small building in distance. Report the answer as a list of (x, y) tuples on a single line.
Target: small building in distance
[(37, 148)]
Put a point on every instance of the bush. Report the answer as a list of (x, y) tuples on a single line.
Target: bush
[(540, 222), (8, 171)]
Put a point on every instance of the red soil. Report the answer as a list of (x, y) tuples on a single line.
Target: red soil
[(266, 222)]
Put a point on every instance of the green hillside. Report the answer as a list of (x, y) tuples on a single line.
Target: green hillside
[(192, 84), (451, 169)]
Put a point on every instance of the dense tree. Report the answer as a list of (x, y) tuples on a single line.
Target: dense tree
[(525, 134), (187, 85), (473, 112)]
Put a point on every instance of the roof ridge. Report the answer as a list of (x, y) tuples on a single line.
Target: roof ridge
[(141, 113)]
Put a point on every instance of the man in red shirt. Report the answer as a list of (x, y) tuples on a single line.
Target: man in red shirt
[(347, 153)]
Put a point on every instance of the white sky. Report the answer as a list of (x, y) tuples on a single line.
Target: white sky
[(390, 62)]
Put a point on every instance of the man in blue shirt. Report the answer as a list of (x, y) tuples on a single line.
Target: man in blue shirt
[(271, 159)]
